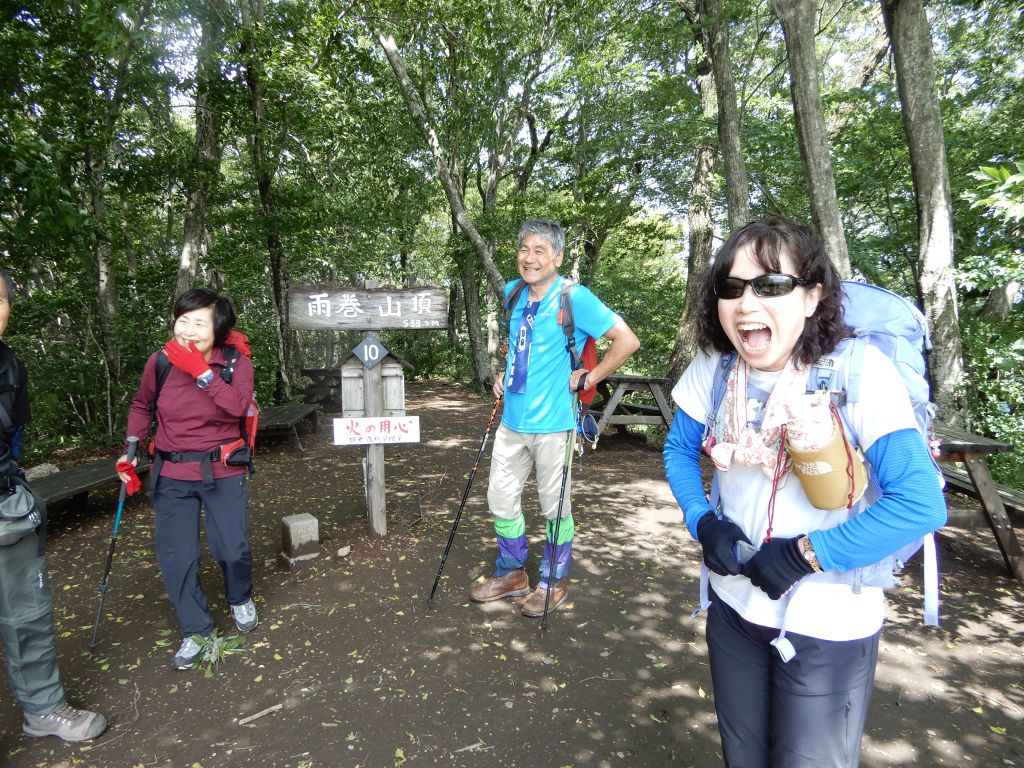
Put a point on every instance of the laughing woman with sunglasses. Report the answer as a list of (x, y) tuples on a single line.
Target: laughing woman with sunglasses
[(771, 302)]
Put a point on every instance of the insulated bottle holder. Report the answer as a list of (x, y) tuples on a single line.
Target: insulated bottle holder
[(834, 476)]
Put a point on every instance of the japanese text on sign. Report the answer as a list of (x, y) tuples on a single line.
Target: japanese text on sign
[(376, 430), (321, 307)]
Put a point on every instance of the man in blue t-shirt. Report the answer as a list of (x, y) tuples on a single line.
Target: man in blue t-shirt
[(538, 418)]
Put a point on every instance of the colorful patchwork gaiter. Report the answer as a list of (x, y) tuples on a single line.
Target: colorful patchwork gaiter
[(566, 532), (512, 548)]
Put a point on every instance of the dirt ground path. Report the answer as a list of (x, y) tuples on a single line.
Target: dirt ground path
[(363, 674)]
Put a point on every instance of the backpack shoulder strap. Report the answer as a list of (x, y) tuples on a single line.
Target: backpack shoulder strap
[(718, 384), (9, 386), (231, 357), (163, 368), (568, 322), (512, 299)]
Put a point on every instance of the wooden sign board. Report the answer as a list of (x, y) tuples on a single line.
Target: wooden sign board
[(326, 307), (377, 430)]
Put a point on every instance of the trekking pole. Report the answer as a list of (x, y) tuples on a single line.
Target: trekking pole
[(465, 495), (133, 446), (570, 446)]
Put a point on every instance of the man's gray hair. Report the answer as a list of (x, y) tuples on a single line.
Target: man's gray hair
[(550, 230)]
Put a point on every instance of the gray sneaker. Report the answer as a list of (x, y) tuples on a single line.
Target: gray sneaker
[(245, 616), (187, 654), (66, 723)]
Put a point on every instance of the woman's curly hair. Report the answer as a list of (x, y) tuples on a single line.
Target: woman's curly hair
[(768, 241)]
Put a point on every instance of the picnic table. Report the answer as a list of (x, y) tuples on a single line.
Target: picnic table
[(283, 420), (973, 451), (632, 400)]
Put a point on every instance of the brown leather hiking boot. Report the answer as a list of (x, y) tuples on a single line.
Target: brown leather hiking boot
[(533, 606), (511, 584)]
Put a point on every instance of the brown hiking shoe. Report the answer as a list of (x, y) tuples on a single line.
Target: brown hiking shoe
[(533, 606), (511, 584)]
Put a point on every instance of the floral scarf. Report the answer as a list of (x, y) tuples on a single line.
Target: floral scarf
[(743, 445)]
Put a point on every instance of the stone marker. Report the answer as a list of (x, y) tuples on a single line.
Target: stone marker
[(300, 540)]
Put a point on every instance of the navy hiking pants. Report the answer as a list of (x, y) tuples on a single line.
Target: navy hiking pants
[(808, 712), (177, 504)]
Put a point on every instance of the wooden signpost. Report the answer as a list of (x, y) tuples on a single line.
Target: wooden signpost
[(366, 418)]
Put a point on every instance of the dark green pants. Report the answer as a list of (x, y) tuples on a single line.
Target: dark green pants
[(26, 626)]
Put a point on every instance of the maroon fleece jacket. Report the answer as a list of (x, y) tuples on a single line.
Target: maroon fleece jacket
[(190, 418)]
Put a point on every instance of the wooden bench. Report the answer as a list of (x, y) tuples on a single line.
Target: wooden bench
[(283, 420), (72, 485), (959, 480)]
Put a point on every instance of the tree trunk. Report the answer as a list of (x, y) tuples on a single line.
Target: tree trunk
[(453, 312), (206, 152), (716, 43), (908, 29), (264, 171), (98, 134), (1000, 301), (701, 228), (495, 347), (482, 371), (874, 57), (798, 19)]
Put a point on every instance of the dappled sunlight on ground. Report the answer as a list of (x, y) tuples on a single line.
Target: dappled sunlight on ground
[(368, 674)]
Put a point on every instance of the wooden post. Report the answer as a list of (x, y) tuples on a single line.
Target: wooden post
[(373, 401), (994, 508)]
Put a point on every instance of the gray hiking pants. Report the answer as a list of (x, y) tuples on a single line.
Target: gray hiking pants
[(26, 626), (805, 713)]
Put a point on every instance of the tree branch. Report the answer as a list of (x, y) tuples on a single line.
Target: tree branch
[(455, 200)]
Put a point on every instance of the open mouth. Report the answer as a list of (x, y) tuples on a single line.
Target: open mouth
[(755, 337)]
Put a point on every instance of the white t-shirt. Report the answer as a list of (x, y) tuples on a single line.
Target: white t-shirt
[(828, 611)]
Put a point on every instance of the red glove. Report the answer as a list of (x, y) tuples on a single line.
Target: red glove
[(133, 483), (239, 341), (190, 360)]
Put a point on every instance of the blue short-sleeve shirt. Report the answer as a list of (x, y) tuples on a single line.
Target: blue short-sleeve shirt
[(546, 404)]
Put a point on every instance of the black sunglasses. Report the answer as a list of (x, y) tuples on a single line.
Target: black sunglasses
[(767, 286)]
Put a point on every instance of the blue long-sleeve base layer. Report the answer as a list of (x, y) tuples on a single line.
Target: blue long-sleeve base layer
[(910, 505)]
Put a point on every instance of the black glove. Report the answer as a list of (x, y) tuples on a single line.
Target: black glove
[(717, 537), (776, 567)]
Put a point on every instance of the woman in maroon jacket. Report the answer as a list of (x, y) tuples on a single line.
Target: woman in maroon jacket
[(199, 410)]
